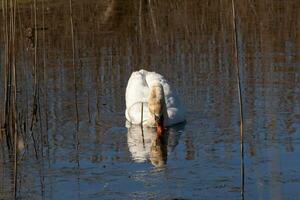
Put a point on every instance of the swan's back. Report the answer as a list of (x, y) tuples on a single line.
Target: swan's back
[(137, 91)]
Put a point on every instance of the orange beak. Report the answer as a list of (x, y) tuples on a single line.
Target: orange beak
[(159, 125), (159, 130)]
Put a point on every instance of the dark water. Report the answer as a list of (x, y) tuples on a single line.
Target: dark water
[(191, 44)]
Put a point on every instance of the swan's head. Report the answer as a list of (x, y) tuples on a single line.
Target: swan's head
[(156, 106)]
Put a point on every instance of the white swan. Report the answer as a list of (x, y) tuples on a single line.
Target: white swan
[(150, 100)]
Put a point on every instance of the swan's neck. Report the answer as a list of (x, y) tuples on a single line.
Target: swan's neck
[(157, 104)]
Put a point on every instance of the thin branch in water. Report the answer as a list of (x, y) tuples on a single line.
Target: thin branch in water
[(142, 119), (236, 62)]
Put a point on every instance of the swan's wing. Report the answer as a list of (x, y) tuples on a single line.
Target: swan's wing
[(136, 89), (137, 92)]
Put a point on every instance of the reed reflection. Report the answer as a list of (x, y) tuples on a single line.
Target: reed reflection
[(144, 145)]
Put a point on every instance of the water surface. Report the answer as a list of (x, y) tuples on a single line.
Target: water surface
[(191, 44)]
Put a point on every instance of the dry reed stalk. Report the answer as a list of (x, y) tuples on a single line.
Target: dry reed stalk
[(7, 78), (89, 112), (4, 69), (236, 62), (35, 104), (20, 39), (75, 84), (45, 77), (44, 65), (13, 5), (186, 27), (141, 42), (153, 22), (140, 20), (23, 119), (38, 114), (97, 90), (45, 72), (73, 64), (35, 100)]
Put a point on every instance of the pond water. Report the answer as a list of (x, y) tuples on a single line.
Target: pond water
[(94, 155)]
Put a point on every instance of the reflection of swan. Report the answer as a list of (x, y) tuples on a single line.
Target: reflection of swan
[(139, 142), (158, 151), (144, 144), (151, 101)]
